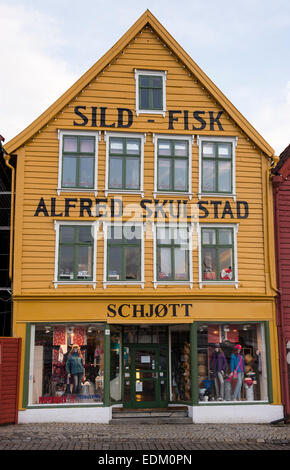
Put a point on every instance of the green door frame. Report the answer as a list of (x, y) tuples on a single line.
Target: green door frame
[(158, 402)]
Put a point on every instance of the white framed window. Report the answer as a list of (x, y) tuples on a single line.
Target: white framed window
[(172, 254), (218, 260), (123, 253), (75, 253), (172, 164), (124, 163), (78, 161), (150, 92), (217, 166)]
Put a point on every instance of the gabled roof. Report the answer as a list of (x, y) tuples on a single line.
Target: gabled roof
[(284, 156), (146, 18)]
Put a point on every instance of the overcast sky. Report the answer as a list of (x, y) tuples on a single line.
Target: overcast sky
[(242, 45)]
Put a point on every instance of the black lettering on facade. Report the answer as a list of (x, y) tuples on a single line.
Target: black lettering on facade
[(81, 115)]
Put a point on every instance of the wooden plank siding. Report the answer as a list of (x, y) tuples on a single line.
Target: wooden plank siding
[(113, 88)]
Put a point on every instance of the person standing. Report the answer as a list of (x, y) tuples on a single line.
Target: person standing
[(237, 370), (75, 367)]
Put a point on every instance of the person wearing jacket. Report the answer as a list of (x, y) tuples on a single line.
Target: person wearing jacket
[(75, 367), (218, 367), (238, 369)]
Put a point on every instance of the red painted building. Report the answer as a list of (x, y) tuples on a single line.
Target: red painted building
[(281, 185)]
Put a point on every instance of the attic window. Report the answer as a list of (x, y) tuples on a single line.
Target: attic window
[(150, 92)]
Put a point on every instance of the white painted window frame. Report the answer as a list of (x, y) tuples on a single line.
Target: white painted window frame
[(155, 281), (129, 135), (235, 228), (95, 228), (61, 133), (231, 140), (106, 283), (156, 73), (190, 140)]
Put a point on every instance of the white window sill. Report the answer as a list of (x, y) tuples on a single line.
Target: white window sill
[(218, 283), (77, 190), (150, 111), (173, 283), (172, 193), (124, 191), (202, 195), (123, 283), (74, 283)]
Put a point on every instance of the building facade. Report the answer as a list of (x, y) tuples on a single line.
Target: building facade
[(281, 186), (144, 268)]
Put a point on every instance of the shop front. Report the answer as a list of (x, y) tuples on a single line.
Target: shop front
[(220, 370)]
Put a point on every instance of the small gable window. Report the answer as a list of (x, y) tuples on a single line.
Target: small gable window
[(150, 92)]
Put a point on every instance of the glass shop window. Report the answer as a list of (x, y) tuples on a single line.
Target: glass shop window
[(78, 162), (180, 363), (68, 364), (116, 360), (231, 363)]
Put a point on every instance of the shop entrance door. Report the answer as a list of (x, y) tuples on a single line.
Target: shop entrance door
[(148, 376)]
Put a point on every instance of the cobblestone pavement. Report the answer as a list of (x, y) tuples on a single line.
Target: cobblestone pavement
[(105, 437)]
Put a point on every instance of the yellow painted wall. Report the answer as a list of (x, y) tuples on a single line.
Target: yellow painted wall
[(37, 176)]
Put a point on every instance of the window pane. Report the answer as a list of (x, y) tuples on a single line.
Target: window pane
[(208, 175), (157, 98), (225, 237), (66, 263), (115, 263), (87, 145), (209, 264), (224, 150), (133, 147), (164, 174), (52, 352), (216, 352), (85, 234), (180, 149), (115, 233), (164, 236), (208, 237), (67, 234), (181, 264), (157, 82), (86, 172), (132, 173), (116, 146), (70, 144), (164, 264), (208, 149), (131, 233), (132, 260), (116, 173), (164, 147), (181, 236), (144, 98), (225, 264), (84, 262), (180, 175), (69, 172), (225, 176), (144, 81)]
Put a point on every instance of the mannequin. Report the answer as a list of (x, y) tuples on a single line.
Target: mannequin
[(218, 367), (237, 370), (75, 367)]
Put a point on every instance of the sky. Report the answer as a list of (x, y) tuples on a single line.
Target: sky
[(243, 46)]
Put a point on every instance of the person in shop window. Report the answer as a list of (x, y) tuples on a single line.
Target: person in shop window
[(75, 367), (218, 367), (237, 370)]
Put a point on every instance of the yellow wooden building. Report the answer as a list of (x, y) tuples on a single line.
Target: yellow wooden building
[(143, 236)]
